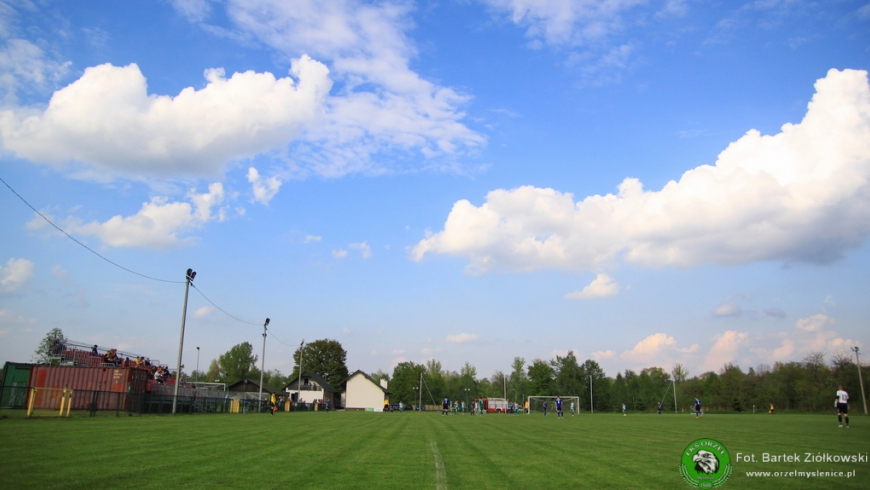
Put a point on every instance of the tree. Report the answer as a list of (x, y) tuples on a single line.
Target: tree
[(569, 376), (325, 357), (406, 377), (541, 379), (49, 346), (236, 364), (519, 381)]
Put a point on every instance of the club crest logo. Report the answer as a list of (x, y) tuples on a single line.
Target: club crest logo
[(705, 464)]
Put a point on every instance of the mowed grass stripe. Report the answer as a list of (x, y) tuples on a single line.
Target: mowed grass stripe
[(374, 450)]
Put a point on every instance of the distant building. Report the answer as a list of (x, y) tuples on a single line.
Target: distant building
[(313, 388), (361, 392)]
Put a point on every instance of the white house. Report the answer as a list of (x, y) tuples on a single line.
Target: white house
[(362, 392), (313, 389)]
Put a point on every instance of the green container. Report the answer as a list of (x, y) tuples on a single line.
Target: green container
[(14, 390)]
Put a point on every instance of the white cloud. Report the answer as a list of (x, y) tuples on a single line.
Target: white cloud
[(428, 351), (194, 10), (158, 224), (724, 350), (601, 287), (603, 354), (345, 330), (203, 312), (383, 106), (312, 238), (363, 247), (811, 334), (728, 309), (463, 338), (566, 22), (264, 189), (15, 275), (814, 323), (649, 348), (802, 194), (24, 66), (339, 254), (107, 120), (398, 351)]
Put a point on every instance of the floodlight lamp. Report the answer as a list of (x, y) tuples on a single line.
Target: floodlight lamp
[(267, 322)]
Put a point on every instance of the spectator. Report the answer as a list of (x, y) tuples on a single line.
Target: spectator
[(94, 351)]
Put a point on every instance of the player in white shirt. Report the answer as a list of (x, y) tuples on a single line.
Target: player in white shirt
[(842, 404)]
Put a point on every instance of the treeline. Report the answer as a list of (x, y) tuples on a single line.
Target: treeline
[(807, 386)]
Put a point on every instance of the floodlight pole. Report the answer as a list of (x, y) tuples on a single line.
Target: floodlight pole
[(420, 403), (197, 366), (262, 366), (860, 378), (675, 394), (299, 382), (591, 407), (189, 277)]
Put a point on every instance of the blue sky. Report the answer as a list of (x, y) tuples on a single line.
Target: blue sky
[(643, 182)]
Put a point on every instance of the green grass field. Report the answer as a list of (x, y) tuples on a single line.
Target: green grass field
[(384, 451)]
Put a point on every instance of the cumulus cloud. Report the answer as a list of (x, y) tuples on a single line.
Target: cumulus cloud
[(339, 254), (728, 309), (363, 247), (814, 323), (383, 106), (203, 312), (800, 195), (107, 120), (264, 189), (463, 338), (811, 334), (601, 287), (312, 238), (650, 347), (15, 275), (603, 354), (724, 350), (158, 224)]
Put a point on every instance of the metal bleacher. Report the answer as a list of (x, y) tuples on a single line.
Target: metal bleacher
[(71, 353)]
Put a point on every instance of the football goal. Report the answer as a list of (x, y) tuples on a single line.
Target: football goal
[(536, 404)]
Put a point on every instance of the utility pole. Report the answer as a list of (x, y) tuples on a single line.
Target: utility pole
[(197, 366), (420, 403), (262, 365), (860, 378), (189, 278), (675, 395)]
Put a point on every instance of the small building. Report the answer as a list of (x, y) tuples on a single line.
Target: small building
[(248, 386), (311, 388), (361, 392)]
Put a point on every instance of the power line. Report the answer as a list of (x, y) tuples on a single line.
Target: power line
[(82, 244), (221, 309), (281, 341)]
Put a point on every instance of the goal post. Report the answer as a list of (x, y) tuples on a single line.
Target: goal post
[(536, 404)]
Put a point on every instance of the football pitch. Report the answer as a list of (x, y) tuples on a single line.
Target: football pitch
[(419, 450)]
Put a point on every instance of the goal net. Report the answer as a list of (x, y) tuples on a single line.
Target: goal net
[(536, 404)]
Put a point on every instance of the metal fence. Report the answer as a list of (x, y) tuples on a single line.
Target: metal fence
[(63, 402)]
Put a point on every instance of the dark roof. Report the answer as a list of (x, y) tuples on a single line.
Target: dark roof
[(345, 380), (250, 386), (313, 377)]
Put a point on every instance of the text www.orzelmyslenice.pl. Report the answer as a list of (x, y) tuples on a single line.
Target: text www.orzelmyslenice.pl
[(803, 458)]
